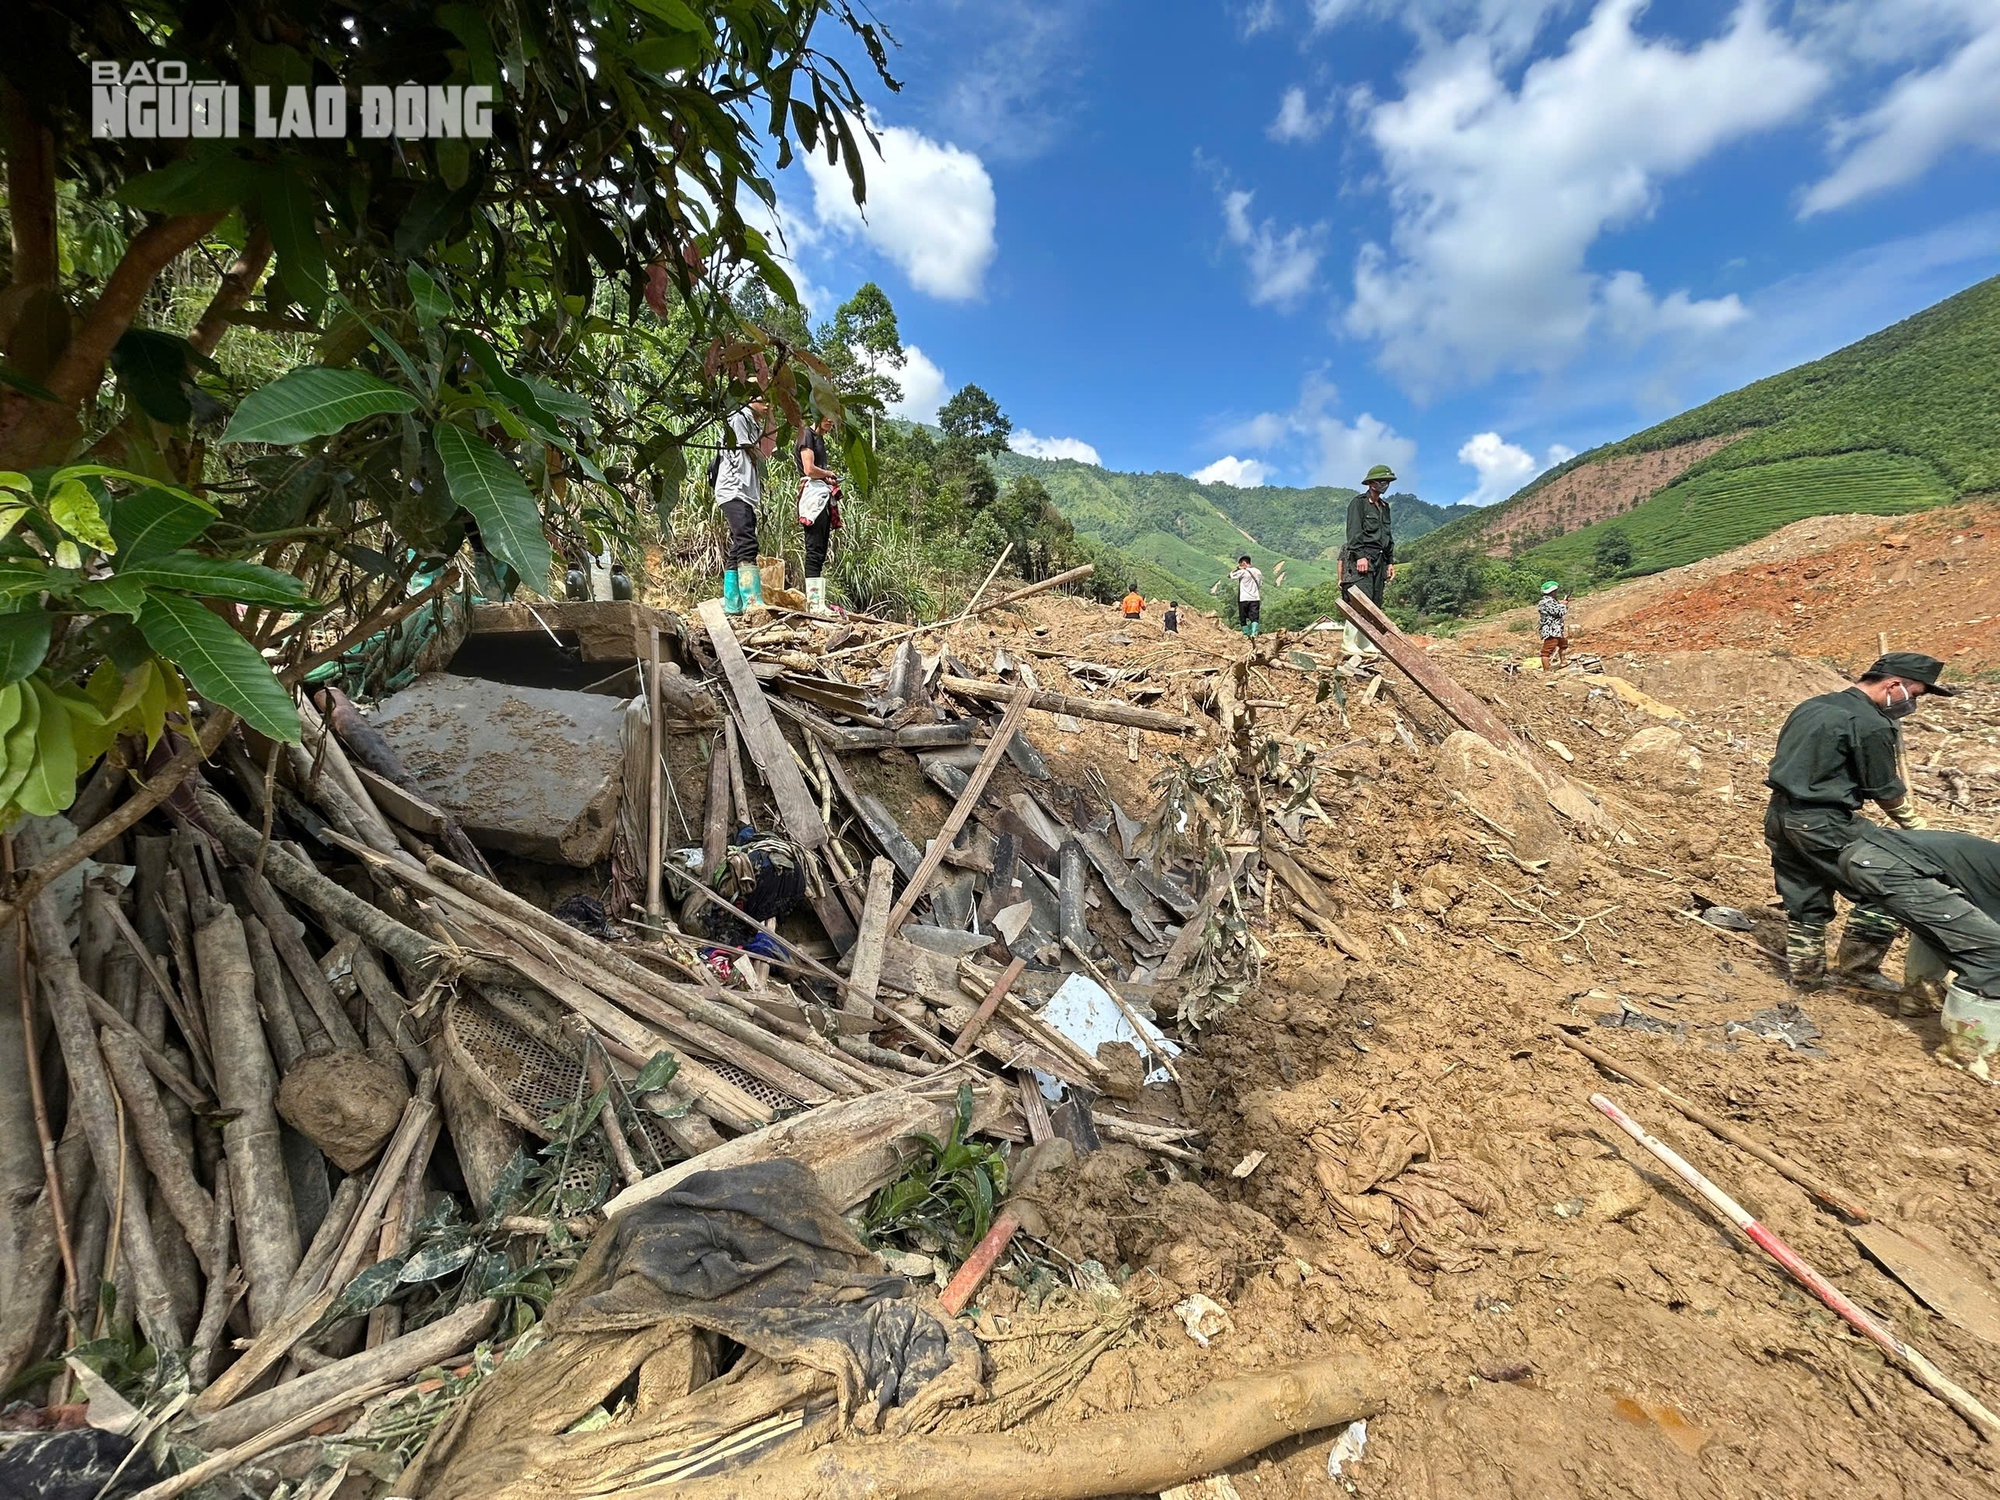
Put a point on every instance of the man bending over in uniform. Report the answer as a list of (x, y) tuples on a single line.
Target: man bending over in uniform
[(1836, 752)]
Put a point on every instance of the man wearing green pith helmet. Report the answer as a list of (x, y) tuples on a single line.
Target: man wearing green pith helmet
[(1369, 558)]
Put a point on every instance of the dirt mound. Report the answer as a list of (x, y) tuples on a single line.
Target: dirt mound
[(1822, 588)]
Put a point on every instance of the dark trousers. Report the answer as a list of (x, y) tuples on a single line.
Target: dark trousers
[(819, 539), (1806, 844), (741, 518), (1911, 890), (1248, 611), (1373, 582)]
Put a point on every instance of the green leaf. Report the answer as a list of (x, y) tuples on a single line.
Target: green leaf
[(155, 522), (120, 595), (674, 13), (435, 1261), (18, 756), (291, 211), (365, 1292), (137, 481), (20, 484), (207, 181), (218, 578), (492, 490), (220, 664), (10, 708), (388, 345), (509, 385), (50, 785), (151, 365), (313, 402), (20, 577), (74, 509), (657, 1074), (668, 54), (433, 301), (24, 641)]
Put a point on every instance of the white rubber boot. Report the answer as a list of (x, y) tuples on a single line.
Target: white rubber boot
[(816, 598), (1971, 1025)]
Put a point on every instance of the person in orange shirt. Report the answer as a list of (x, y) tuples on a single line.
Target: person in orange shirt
[(1134, 603)]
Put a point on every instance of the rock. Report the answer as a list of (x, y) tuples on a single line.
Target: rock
[(1433, 900), (346, 1103), (1504, 787), (1660, 759)]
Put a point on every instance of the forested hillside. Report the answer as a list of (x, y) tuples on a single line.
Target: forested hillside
[(1181, 535)]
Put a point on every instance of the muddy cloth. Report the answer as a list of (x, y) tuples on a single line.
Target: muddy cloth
[(759, 1255), (1384, 1181), (73, 1465), (1945, 887)]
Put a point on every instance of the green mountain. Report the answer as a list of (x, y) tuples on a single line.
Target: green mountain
[(1904, 419), (1182, 536)]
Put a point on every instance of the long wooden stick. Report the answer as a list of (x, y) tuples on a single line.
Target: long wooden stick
[(967, 800), (987, 1006), (1932, 1379), (1814, 1184), (1104, 710), (655, 832)]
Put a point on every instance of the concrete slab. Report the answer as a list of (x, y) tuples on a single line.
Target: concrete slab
[(528, 771)]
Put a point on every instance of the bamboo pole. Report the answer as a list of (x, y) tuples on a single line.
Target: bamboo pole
[(968, 799), (1926, 1374), (159, 1145)]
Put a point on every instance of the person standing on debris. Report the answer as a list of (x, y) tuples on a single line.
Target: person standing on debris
[(1945, 887), (1369, 557), (1835, 752), (1249, 593), (1134, 605), (819, 510), (1552, 615), (736, 473), (1170, 622)]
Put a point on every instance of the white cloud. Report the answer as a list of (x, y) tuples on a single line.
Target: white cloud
[(1283, 267), (1006, 71), (1330, 449), (1023, 441), (924, 387), (930, 209), (1925, 114), (1242, 473), (1499, 192), (1503, 467), (1297, 120)]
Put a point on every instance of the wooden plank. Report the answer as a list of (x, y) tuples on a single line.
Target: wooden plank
[(1944, 1280), (1463, 708), (402, 804), (981, 774), (832, 698), (715, 819), (1108, 711), (864, 976), (763, 738)]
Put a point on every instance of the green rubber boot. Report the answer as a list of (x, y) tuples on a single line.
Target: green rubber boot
[(750, 584), (732, 595), (1805, 954)]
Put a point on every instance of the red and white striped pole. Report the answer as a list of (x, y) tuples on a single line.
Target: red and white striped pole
[(1927, 1374)]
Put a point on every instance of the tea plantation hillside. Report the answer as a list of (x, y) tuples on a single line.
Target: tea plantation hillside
[(1903, 419)]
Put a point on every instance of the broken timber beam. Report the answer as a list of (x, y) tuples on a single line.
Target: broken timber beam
[(1103, 710), (975, 784)]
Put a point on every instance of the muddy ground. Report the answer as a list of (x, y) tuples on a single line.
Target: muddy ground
[(1555, 1319)]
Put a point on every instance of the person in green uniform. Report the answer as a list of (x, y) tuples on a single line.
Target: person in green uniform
[(1836, 752), (1369, 557), (1945, 887)]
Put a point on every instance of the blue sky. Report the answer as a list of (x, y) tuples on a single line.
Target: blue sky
[(1280, 240)]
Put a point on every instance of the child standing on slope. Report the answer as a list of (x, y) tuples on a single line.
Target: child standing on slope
[(1249, 593)]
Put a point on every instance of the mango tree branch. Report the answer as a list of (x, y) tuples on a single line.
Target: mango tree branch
[(237, 283), (32, 882), (35, 432)]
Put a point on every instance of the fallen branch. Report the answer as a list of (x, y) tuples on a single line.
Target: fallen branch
[(1105, 710), (1001, 603), (1137, 1453)]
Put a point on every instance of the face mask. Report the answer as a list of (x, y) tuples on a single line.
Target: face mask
[(1900, 708)]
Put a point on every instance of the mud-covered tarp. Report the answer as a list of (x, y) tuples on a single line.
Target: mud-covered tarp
[(756, 1255), (759, 1255)]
